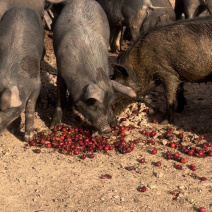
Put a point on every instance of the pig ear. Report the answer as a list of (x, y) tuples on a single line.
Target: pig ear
[(123, 89), (121, 69), (93, 91)]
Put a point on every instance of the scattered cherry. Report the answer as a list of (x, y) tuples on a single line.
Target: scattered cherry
[(154, 151), (142, 160), (202, 209), (159, 164), (37, 151), (142, 189), (91, 156), (203, 178), (179, 167), (83, 157), (106, 176), (183, 160)]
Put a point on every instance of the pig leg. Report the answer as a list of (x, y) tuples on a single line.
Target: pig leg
[(30, 113), (15, 126), (10, 106), (171, 83), (61, 101), (135, 24), (115, 38), (9, 115), (190, 9), (180, 98), (178, 9)]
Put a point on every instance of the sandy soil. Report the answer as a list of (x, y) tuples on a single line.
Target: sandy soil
[(51, 181)]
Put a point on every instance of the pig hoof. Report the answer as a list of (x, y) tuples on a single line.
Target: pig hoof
[(53, 125), (28, 137), (164, 122)]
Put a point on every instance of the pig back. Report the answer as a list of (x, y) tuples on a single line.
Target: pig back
[(81, 39), (21, 39)]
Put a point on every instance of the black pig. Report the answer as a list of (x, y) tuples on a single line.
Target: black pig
[(170, 54), (21, 49), (160, 14), (192, 8), (80, 40), (131, 14)]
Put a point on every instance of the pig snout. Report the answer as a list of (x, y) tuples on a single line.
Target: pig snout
[(105, 130)]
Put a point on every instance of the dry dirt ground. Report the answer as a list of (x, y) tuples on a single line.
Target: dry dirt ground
[(51, 181)]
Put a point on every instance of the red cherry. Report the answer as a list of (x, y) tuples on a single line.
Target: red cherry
[(91, 156), (154, 121), (136, 141), (49, 145), (179, 167), (203, 178), (202, 137), (76, 152), (111, 147), (143, 132), (176, 154), (154, 151), (142, 189), (146, 110), (202, 209), (159, 164), (106, 176), (190, 152), (106, 148), (172, 145), (83, 157), (184, 160), (180, 136), (37, 151), (142, 160), (33, 143), (152, 134)]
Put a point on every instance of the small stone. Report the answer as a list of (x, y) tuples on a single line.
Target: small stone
[(116, 196), (164, 142), (122, 199), (126, 122), (102, 198), (152, 186), (190, 200), (180, 195), (159, 174), (181, 187)]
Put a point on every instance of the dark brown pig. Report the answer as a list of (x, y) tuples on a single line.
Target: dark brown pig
[(171, 55)]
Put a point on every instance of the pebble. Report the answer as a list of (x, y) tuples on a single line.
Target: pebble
[(122, 199), (164, 142), (190, 200), (116, 196), (152, 186), (181, 187), (159, 174), (180, 195)]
